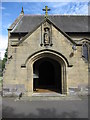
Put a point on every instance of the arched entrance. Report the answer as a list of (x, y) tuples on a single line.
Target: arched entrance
[(47, 76), (36, 71)]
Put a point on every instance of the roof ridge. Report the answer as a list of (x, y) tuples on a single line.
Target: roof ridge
[(54, 15), (33, 15)]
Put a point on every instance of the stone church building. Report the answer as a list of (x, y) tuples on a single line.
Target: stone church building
[(48, 53)]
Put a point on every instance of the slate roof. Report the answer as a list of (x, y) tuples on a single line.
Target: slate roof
[(67, 23)]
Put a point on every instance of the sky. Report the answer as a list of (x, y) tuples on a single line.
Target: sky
[(9, 11)]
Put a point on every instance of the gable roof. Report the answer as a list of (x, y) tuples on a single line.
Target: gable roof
[(49, 21), (67, 23), (15, 22)]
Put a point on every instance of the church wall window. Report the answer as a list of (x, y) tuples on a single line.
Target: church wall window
[(85, 51)]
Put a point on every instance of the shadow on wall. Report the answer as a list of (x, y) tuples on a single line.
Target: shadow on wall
[(9, 112)]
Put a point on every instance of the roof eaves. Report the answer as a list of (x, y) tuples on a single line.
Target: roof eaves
[(85, 39)]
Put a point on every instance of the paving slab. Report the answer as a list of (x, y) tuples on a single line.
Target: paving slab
[(45, 109)]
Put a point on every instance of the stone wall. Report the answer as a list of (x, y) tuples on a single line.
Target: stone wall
[(16, 73)]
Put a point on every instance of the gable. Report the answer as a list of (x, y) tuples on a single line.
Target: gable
[(51, 24)]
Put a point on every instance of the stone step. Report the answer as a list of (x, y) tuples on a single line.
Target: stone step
[(35, 98), (49, 96)]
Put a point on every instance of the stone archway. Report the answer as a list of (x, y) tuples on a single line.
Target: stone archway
[(47, 76), (62, 61)]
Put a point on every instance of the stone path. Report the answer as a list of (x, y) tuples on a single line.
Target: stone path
[(45, 109)]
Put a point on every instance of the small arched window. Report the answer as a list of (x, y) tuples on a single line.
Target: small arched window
[(85, 51)]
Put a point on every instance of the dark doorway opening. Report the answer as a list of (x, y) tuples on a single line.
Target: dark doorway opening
[(47, 76)]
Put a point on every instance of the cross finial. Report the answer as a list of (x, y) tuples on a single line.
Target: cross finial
[(22, 12), (46, 9)]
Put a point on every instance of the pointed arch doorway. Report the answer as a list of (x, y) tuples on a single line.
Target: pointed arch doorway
[(47, 75), (36, 70)]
